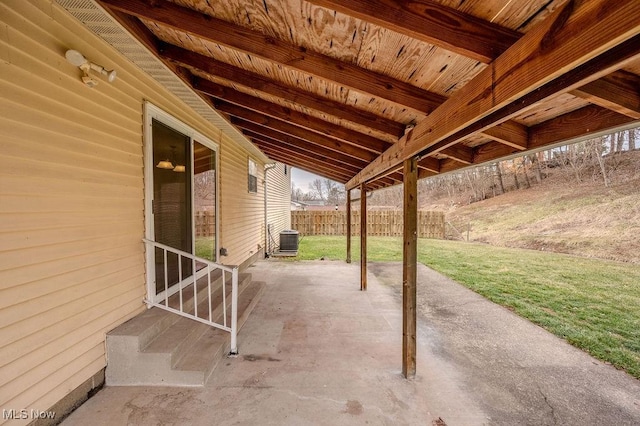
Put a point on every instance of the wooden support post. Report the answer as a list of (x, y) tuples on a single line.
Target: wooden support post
[(363, 237), (409, 267), (348, 226)]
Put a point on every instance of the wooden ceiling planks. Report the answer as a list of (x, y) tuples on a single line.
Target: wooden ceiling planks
[(550, 108), (428, 73), (514, 14), (572, 40)]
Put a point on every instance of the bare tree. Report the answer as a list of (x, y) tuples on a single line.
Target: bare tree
[(537, 169), (498, 170), (317, 189), (335, 193), (633, 137), (514, 167), (598, 147)]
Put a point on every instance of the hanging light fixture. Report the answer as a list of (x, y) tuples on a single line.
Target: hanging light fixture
[(168, 164), (165, 164)]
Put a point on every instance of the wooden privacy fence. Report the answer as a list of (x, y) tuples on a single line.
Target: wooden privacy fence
[(205, 223), (431, 224)]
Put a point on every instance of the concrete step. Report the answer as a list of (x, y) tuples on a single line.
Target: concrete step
[(205, 354), (161, 348)]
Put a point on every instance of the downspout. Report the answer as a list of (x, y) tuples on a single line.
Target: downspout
[(267, 251)]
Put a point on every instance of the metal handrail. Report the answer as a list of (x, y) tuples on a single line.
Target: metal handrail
[(151, 299)]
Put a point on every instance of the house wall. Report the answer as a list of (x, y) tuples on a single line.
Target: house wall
[(72, 202), (242, 212), (278, 202)]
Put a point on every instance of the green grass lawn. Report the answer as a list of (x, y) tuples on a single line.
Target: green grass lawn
[(205, 248), (593, 304)]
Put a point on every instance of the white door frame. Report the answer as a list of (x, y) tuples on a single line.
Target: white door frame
[(152, 112)]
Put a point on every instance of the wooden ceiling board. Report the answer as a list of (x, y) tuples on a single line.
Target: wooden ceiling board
[(332, 119), (393, 54), (336, 35), (421, 64), (287, 76), (383, 108), (313, 41), (252, 63), (310, 61), (293, 21), (456, 76), (532, 13), (549, 109), (475, 140), (633, 68), (511, 14)]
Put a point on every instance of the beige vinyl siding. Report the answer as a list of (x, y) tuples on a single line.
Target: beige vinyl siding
[(72, 202), (242, 230), (278, 201)]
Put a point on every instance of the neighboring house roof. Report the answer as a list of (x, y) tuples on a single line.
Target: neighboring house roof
[(334, 87)]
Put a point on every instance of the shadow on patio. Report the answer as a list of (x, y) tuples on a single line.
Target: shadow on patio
[(317, 350)]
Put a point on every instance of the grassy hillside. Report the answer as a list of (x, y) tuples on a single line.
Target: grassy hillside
[(558, 215)]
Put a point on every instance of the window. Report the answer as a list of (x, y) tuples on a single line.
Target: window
[(253, 176), (181, 200)]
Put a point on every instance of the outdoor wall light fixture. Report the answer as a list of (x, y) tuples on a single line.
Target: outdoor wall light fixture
[(76, 58)]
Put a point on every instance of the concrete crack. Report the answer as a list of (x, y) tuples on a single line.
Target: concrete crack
[(546, 400), (457, 305)]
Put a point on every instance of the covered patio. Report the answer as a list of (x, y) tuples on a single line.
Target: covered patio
[(317, 350), (373, 94)]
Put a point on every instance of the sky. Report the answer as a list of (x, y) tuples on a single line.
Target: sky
[(301, 179)]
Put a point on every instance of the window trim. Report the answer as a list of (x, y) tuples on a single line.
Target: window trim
[(250, 181), (152, 112)]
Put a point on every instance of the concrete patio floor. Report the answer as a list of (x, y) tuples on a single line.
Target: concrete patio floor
[(316, 350)]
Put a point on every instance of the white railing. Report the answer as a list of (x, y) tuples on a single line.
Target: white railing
[(193, 284)]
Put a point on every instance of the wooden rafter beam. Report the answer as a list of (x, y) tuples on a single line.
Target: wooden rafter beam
[(319, 154), (578, 43), (283, 155), (322, 157), (294, 142), (277, 111), (322, 161), (584, 122), (289, 55), (489, 152), (460, 153), (295, 131), (269, 86), (290, 154), (256, 81), (509, 133), (173, 55), (619, 91), (424, 173), (429, 163), (433, 23)]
